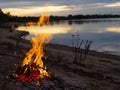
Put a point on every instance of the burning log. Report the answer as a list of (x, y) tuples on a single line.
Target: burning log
[(29, 73)]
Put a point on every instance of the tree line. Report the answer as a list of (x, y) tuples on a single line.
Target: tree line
[(9, 18)]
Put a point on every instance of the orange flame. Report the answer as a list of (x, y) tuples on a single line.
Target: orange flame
[(36, 53), (42, 20), (33, 67)]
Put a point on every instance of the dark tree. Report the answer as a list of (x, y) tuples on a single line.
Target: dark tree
[(4, 17)]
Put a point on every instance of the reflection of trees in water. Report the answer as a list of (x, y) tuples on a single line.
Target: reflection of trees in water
[(71, 22)]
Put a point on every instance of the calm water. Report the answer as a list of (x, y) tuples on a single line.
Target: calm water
[(104, 33)]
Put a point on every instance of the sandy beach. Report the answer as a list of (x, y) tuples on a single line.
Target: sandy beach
[(99, 71)]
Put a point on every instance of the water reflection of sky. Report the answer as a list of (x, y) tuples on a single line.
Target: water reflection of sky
[(36, 30), (104, 33)]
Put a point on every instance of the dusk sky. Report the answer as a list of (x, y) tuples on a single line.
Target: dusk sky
[(60, 7)]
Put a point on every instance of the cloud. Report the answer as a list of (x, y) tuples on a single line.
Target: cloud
[(60, 7), (116, 4), (28, 11), (101, 8), (20, 3)]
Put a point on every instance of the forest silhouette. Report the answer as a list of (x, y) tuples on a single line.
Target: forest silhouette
[(6, 17)]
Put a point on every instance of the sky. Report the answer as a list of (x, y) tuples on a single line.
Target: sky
[(59, 7)]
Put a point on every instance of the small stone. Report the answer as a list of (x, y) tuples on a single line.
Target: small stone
[(17, 84), (6, 77)]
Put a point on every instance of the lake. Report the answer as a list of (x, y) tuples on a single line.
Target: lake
[(104, 33)]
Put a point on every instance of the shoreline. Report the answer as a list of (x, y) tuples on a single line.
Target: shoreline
[(91, 52), (19, 34), (65, 47)]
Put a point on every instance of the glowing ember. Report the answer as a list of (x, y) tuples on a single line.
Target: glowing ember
[(33, 68)]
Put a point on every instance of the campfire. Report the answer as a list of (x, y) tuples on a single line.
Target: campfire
[(33, 68)]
